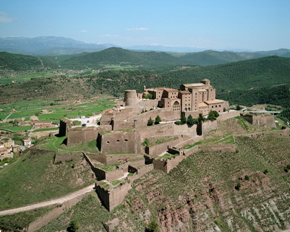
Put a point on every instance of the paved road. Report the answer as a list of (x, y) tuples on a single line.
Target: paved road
[(59, 200)]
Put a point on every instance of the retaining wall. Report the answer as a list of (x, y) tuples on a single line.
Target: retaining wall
[(82, 135), (119, 142), (113, 197), (227, 115)]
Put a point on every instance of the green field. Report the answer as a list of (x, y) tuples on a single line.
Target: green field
[(60, 109)]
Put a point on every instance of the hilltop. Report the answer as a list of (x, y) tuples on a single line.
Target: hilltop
[(199, 194)]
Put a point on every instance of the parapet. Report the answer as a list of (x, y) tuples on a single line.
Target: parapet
[(130, 98)]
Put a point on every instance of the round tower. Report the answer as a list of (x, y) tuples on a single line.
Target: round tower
[(130, 98)]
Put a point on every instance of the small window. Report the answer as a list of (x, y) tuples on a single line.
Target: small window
[(126, 140), (108, 141), (118, 141)]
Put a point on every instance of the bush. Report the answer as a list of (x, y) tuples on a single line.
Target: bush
[(157, 119), (148, 96), (73, 226), (183, 119), (247, 177), (191, 121), (238, 107), (150, 122), (152, 227), (265, 171), (178, 123), (238, 186), (213, 115)]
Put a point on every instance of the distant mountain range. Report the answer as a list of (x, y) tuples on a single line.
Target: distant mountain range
[(54, 46), (47, 45)]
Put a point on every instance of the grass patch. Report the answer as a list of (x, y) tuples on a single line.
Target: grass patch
[(35, 178), (191, 145), (19, 221), (243, 122), (166, 156)]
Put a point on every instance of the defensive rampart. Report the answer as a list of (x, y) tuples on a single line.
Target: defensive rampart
[(111, 198), (168, 164), (227, 115), (260, 119), (119, 142), (81, 135)]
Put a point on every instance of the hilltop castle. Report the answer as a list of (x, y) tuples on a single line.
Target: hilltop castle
[(191, 99)]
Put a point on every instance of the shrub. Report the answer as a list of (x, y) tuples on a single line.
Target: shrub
[(191, 121), (213, 115), (265, 171), (150, 122), (178, 123), (157, 119), (183, 119), (238, 107), (152, 227), (238, 186), (148, 96), (73, 226), (247, 177)]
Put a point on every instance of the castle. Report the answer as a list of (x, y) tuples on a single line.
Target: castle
[(129, 148), (191, 99)]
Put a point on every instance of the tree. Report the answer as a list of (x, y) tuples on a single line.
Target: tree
[(157, 119), (201, 118), (183, 119), (238, 107), (191, 121), (150, 122), (73, 226), (213, 115)]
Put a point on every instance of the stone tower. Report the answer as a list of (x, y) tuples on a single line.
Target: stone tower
[(130, 98)]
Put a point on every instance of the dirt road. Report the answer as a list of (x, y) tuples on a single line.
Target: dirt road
[(55, 201)]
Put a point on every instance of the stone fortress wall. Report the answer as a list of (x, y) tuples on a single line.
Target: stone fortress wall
[(260, 119), (122, 130)]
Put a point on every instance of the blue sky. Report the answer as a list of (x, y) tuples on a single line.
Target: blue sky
[(209, 24)]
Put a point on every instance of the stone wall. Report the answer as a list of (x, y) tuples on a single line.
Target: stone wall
[(82, 135), (184, 130), (261, 119), (157, 130), (113, 197), (53, 214), (119, 142), (227, 115), (208, 126), (159, 148), (167, 165)]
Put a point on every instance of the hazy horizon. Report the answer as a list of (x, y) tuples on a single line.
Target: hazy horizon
[(216, 25)]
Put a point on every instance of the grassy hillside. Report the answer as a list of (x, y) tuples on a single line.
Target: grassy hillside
[(200, 194), (35, 178), (18, 62), (243, 75)]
